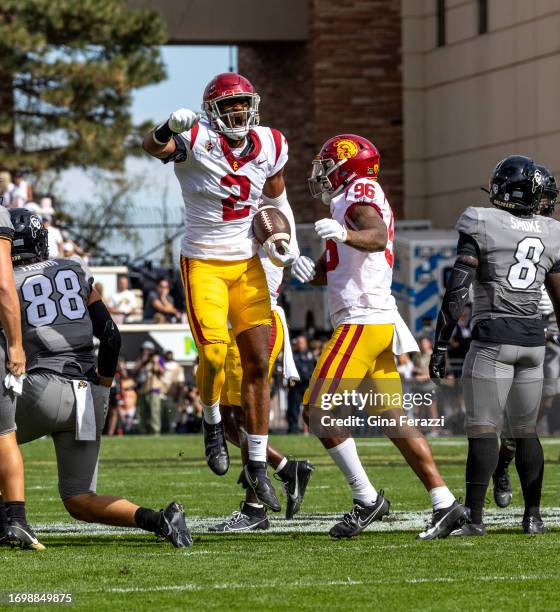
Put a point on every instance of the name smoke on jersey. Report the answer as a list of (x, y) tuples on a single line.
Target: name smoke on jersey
[(515, 256), (222, 190), (57, 330), (359, 283)]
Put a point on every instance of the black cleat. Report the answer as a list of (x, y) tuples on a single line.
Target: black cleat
[(355, 521), (19, 534), (215, 447), (247, 518), (469, 529), (502, 490), (295, 477), (444, 521), (259, 482), (173, 526), (533, 525)]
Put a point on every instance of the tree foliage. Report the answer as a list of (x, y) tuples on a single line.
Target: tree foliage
[(67, 72)]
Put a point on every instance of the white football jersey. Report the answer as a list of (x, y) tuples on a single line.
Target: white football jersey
[(274, 276), (222, 189), (359, 283)]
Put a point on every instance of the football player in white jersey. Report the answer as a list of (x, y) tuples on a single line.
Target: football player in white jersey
[(357, 267), (294, 475), (227, 165)]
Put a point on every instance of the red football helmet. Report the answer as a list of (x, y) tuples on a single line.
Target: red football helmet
[(220, 94), (342, 159)]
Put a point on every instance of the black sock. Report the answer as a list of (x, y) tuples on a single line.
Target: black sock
[(15, 510), (481, 462), (529, 461), (251, 510), (3, 516), (284, 471), (507, 453), (148, 520)]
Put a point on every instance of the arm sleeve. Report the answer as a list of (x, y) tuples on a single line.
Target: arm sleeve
[(181, 153), (105, 330), (280, 152), (468, 246)]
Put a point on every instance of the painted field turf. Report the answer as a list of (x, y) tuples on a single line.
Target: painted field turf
[(295, 565)]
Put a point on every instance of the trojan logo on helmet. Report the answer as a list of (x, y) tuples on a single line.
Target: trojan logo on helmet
[(341, 160)]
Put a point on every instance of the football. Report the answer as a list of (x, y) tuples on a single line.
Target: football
[(271, 225)]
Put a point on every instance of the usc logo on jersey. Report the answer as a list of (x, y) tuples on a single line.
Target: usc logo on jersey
[(345, 149)]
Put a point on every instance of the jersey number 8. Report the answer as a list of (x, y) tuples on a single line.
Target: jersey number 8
[(42, 309), (522, 275)]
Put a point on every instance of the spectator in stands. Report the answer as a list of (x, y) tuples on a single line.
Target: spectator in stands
[(128, 409), (19, 191), (160, 306), (5, 180), (149, 371), (305, 362), (123, 303), (422, 382), (173, 382), (56, 241), (189, 412), (112, 422)]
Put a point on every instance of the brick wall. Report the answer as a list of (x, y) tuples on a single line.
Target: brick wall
[(346, 78)]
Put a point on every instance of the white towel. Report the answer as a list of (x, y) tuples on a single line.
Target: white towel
[(288, 365), (86, 428), (15, 383), (403, 340)]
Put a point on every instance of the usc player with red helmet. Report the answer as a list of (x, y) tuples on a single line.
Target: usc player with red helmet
[(227, 165), (357, 267)]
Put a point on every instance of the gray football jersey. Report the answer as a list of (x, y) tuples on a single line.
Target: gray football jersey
[(57, 329), (515, 256), (6, 227)]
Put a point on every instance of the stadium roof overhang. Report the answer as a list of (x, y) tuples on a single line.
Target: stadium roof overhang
[(226, 22)]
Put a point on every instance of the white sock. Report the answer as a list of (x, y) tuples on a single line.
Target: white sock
[(346, 458), (281, 465), (441, 497), (212, 413), (257, 447)]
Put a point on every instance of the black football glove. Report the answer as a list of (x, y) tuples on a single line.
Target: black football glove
[(437, 364)]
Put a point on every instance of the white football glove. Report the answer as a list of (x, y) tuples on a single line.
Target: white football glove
[(282, 260), (182, 120), (304, 269), (331, 229)]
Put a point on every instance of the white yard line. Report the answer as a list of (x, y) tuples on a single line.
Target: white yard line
[(309, 523)]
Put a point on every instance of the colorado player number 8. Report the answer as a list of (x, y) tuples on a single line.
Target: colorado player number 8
[(522, 274), (42, 309)]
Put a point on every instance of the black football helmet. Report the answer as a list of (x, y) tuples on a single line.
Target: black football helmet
[(31, 239), (550, 193), (517, 184)]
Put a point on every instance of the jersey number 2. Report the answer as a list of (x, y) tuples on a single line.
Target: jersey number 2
[(522, 274), (230, 213), (42, 309)]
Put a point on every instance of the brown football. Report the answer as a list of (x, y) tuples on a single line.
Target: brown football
[(271, 225)]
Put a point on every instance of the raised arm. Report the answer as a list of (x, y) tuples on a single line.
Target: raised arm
[(159, 142)]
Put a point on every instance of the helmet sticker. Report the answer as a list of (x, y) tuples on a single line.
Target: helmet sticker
[(346, 148), (35, 225)]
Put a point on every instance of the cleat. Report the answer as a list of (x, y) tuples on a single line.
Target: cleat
[(502, 490), (259, 482), (294, 479), (215, 447), (444, 521), (173, 526), (469, 529), (19, 534), (533, 525), (247, 518), (355, 521)]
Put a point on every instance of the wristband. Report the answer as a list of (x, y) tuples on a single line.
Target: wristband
[(162, 134)]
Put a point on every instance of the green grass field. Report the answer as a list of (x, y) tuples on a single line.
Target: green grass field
[(295, 565)]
